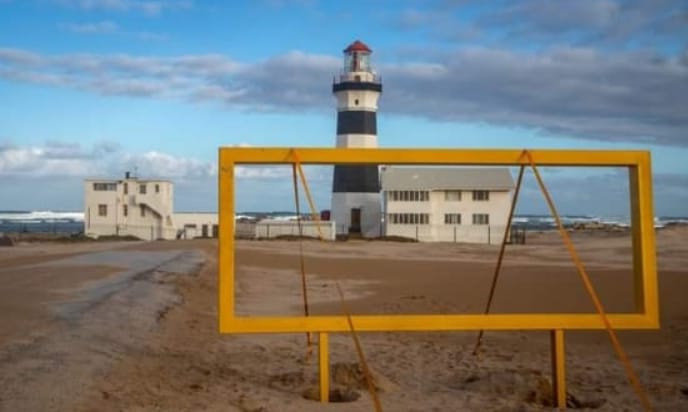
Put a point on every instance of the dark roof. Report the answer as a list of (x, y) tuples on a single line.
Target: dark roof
[(358, 46), (446, 178)]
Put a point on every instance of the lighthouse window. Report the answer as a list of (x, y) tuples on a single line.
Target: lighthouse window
[(356, 102)]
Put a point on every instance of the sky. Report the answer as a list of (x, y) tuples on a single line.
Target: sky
[(93, 88)]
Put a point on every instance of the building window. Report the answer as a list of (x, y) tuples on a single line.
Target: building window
[(99, 187), (452, 218), (102, 210), (408, 218), (408, 196), (142, 189), (157, 188), (126, 188), (125, 210), (481, 195), (452, 195), (481, 219), (142, 208)]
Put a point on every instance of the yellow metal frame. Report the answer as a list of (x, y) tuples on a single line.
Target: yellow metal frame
[(645, 316)]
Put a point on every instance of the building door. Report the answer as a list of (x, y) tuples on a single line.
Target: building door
[(355, 226), (204, 230)]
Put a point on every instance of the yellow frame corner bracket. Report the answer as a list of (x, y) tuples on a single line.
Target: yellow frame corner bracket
[(645, 316)]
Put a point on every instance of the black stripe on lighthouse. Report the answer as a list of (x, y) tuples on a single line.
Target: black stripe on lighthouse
[(356, 122), (356, 179)]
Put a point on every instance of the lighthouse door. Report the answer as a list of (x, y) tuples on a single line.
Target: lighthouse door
[(355, 226)]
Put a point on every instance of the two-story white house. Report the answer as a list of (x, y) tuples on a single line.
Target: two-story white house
[(449, 204), (129, 206), (143, 208)]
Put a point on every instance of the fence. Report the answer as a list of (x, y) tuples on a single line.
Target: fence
[(275, 228), (266, 229), (364, 230), (490, 234), (143, 232), (245, 230)]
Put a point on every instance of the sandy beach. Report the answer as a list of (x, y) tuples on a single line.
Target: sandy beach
[(132, 326)]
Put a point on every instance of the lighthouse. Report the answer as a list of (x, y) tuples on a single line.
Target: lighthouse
[(356, 188)]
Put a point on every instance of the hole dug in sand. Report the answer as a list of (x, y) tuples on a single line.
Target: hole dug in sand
[(290, 381), (526, 386), (338, 395), (543, 395), (348, 380)]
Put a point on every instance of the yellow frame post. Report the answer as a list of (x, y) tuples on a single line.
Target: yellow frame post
[(558, 354), (324, 366), (225, 260), (643, 240), (645, 316)]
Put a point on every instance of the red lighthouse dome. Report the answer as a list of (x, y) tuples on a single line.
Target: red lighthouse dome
[(357, 46)]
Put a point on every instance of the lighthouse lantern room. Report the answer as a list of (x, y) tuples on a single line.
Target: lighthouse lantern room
[(356, 188)]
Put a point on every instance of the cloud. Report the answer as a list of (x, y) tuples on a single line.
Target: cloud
[(598, 21), (546, 23), (583, 191), (104, 159), (556, 16), (107, 27), (43, 171), (51, 175), (151, 8), (632, 96), (108, 160), (161, 164), (602, 192), (629, 96), (44, 161), (102, 27)]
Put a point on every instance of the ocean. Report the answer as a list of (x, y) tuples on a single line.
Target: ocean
[(12, 221)]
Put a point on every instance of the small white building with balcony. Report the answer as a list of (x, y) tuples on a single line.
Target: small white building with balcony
[(129, 207), (143, 208), (450, 204)]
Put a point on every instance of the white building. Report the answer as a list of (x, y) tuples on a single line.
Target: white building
[(143, 208), (446, 204), (196, 224), (131, 206)]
